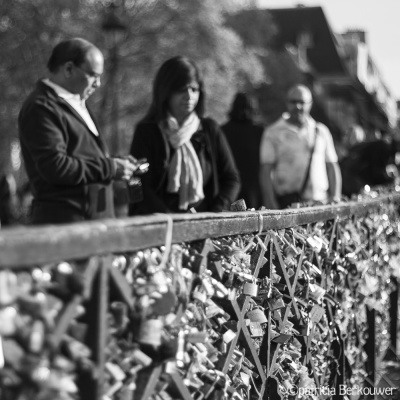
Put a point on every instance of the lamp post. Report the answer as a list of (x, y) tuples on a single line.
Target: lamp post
[(115, 31)]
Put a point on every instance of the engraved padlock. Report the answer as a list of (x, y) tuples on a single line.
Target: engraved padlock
[(255, 329)]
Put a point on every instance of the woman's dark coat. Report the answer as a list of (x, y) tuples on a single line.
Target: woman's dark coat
[(222, 182)]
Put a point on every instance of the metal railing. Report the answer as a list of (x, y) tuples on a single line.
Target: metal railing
[(95, 245)]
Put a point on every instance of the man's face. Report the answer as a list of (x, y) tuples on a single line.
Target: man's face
[(299, 105), (85, 78)]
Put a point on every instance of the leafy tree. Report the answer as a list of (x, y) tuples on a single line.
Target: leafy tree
[(28, 30), (194, 28), (155, 31)]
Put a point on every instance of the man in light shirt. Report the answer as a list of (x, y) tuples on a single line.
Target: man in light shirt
[(66, 159), (285, 152)]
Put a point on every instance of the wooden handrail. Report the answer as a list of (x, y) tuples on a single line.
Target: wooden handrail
[(27, 246)]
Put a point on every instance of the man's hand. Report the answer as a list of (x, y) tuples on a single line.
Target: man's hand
[(124, 168), (127, 166)]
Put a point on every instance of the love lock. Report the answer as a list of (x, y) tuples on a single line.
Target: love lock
[(150, 332), (257, 315), (276, 303), (250, 289)]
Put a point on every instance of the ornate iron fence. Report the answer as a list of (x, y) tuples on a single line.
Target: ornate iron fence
[(256, 304)]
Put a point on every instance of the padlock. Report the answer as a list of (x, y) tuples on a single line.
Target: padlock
[(290, 272), (208, 287), (119, 311), (250, 289), (37, 336), (316, 313), (303, 329), (316, 292), (8, 317), (199, 294), (228, 278), (255, 329), (238, 205), (282, 338), (196, 337), (257, 315), (127, 391), (150, 332), (140, 358), (212, 309), (115, 371), (314, 243), (276, 303), (228, 336), (220, 290)]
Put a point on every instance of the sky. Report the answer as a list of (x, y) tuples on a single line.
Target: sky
[(379, 18)]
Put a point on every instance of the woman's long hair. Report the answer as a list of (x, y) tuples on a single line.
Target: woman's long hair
[(174, 74)]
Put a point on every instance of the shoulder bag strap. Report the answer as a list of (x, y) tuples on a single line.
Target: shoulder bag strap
[(309, 161)]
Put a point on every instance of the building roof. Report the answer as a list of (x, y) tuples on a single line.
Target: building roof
[(323, 52)]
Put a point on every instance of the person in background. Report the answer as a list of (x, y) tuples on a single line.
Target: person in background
[(244, 138), (66, 159), (298, 157), (191, 165), (353, 135), (370, 162)]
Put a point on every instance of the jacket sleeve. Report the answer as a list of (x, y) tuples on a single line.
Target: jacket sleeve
[(45, 138), (228, 175), (146, 144)]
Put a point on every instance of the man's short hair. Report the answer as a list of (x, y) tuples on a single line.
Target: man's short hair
[(73, 50)]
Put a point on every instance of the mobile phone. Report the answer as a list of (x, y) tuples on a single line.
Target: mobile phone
[(143, 168)]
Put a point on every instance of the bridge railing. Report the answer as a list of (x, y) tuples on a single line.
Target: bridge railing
[(253, 304)]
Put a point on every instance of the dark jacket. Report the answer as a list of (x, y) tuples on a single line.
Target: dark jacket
[(244, 138), (222, 182), (67, 165)]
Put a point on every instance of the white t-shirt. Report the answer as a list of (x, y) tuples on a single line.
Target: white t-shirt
[(288, 148)]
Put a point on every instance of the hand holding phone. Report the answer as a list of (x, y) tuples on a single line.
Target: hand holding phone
[(142, 166)]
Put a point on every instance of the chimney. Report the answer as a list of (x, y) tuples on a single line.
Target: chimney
[(355, 35)]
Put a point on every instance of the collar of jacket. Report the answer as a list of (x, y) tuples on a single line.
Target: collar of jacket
[(49, 92)]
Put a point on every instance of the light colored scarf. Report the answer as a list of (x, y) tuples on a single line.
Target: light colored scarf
[(185, 175)]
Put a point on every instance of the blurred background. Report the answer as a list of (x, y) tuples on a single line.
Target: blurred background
[(239, 45)]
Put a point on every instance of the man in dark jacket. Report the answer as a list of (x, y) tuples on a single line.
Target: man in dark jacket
[(66, 159)]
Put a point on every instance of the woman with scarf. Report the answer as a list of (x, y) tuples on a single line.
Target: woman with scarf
[(191, 165)]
